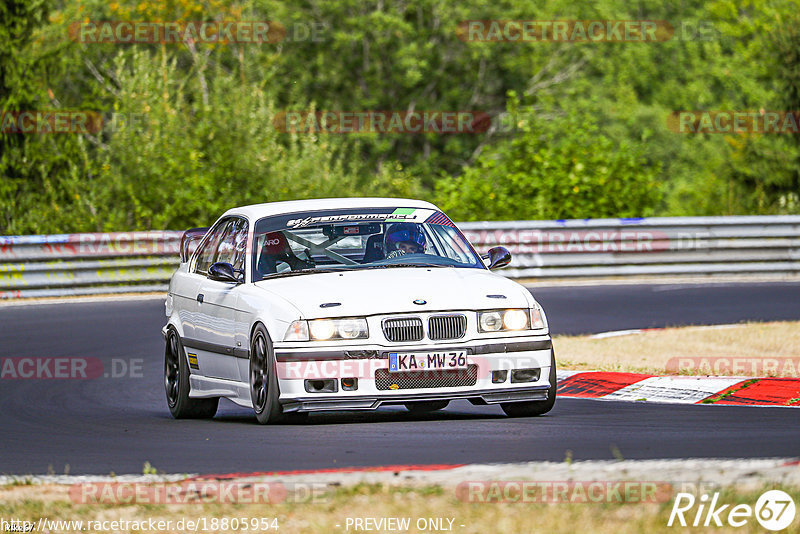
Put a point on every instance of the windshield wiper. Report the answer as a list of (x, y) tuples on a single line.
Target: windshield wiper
[(301, 271), (391, 265), (340, 269)]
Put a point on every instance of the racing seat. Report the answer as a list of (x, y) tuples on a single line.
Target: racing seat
[(374, 249), (275, 249), (267, 263)]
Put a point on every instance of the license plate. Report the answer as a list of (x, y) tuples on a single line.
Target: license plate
[(427, 361)]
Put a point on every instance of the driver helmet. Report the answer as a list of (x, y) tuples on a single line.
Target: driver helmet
[(407, 238)]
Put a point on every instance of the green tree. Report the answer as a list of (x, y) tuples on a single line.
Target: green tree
[(599, 111), (556, 167)]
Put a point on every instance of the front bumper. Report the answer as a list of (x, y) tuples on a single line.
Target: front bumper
[(297, 365), (315, 404)]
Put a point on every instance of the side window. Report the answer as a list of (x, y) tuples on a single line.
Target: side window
[(233, 245), (240, 246), (207, 251), (451, 245)]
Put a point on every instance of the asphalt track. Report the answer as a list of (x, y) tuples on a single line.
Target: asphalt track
[(117, 424)]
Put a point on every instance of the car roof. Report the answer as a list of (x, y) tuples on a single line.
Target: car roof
[(257, 211)]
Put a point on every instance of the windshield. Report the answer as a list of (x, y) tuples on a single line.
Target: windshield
[(363, 238)]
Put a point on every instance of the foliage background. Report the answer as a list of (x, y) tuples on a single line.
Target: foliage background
[(589, 136)]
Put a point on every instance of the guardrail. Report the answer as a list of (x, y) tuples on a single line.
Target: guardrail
[(123, 262), (657, 246), (85, 264)]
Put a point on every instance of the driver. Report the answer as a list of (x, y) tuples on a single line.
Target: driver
[(404, 238)]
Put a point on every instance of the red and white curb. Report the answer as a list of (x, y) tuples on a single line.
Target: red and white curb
[(679, 389), (742, 472)]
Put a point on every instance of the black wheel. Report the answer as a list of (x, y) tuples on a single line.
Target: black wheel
[(263, 378), (535, 408), (176, 383), (425, 407)]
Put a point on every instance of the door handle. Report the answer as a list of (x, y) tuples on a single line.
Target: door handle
[(200, 298)]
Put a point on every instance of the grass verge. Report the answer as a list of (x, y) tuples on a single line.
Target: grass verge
[(330, 511), (747, 349)]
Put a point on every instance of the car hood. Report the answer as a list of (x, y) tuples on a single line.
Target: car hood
[(381, 291)]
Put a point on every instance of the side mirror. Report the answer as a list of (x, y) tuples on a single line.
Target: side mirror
[(223, 272), (498, 257)]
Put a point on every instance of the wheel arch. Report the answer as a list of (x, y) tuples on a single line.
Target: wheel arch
[(173, 322), (276, 329)]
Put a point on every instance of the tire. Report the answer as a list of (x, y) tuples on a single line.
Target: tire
[(535, 408), (264, 391), (426, 407), (176, 383)]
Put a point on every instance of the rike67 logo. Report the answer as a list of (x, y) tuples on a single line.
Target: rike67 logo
[(774, 510)]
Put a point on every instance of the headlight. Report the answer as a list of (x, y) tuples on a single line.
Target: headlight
[(503, 320), (325, 329), (490, 321), (512, 320), (322, 329), (352, 328), (515, 319)]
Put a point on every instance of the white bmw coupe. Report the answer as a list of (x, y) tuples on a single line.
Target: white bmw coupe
[(349, 304)]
